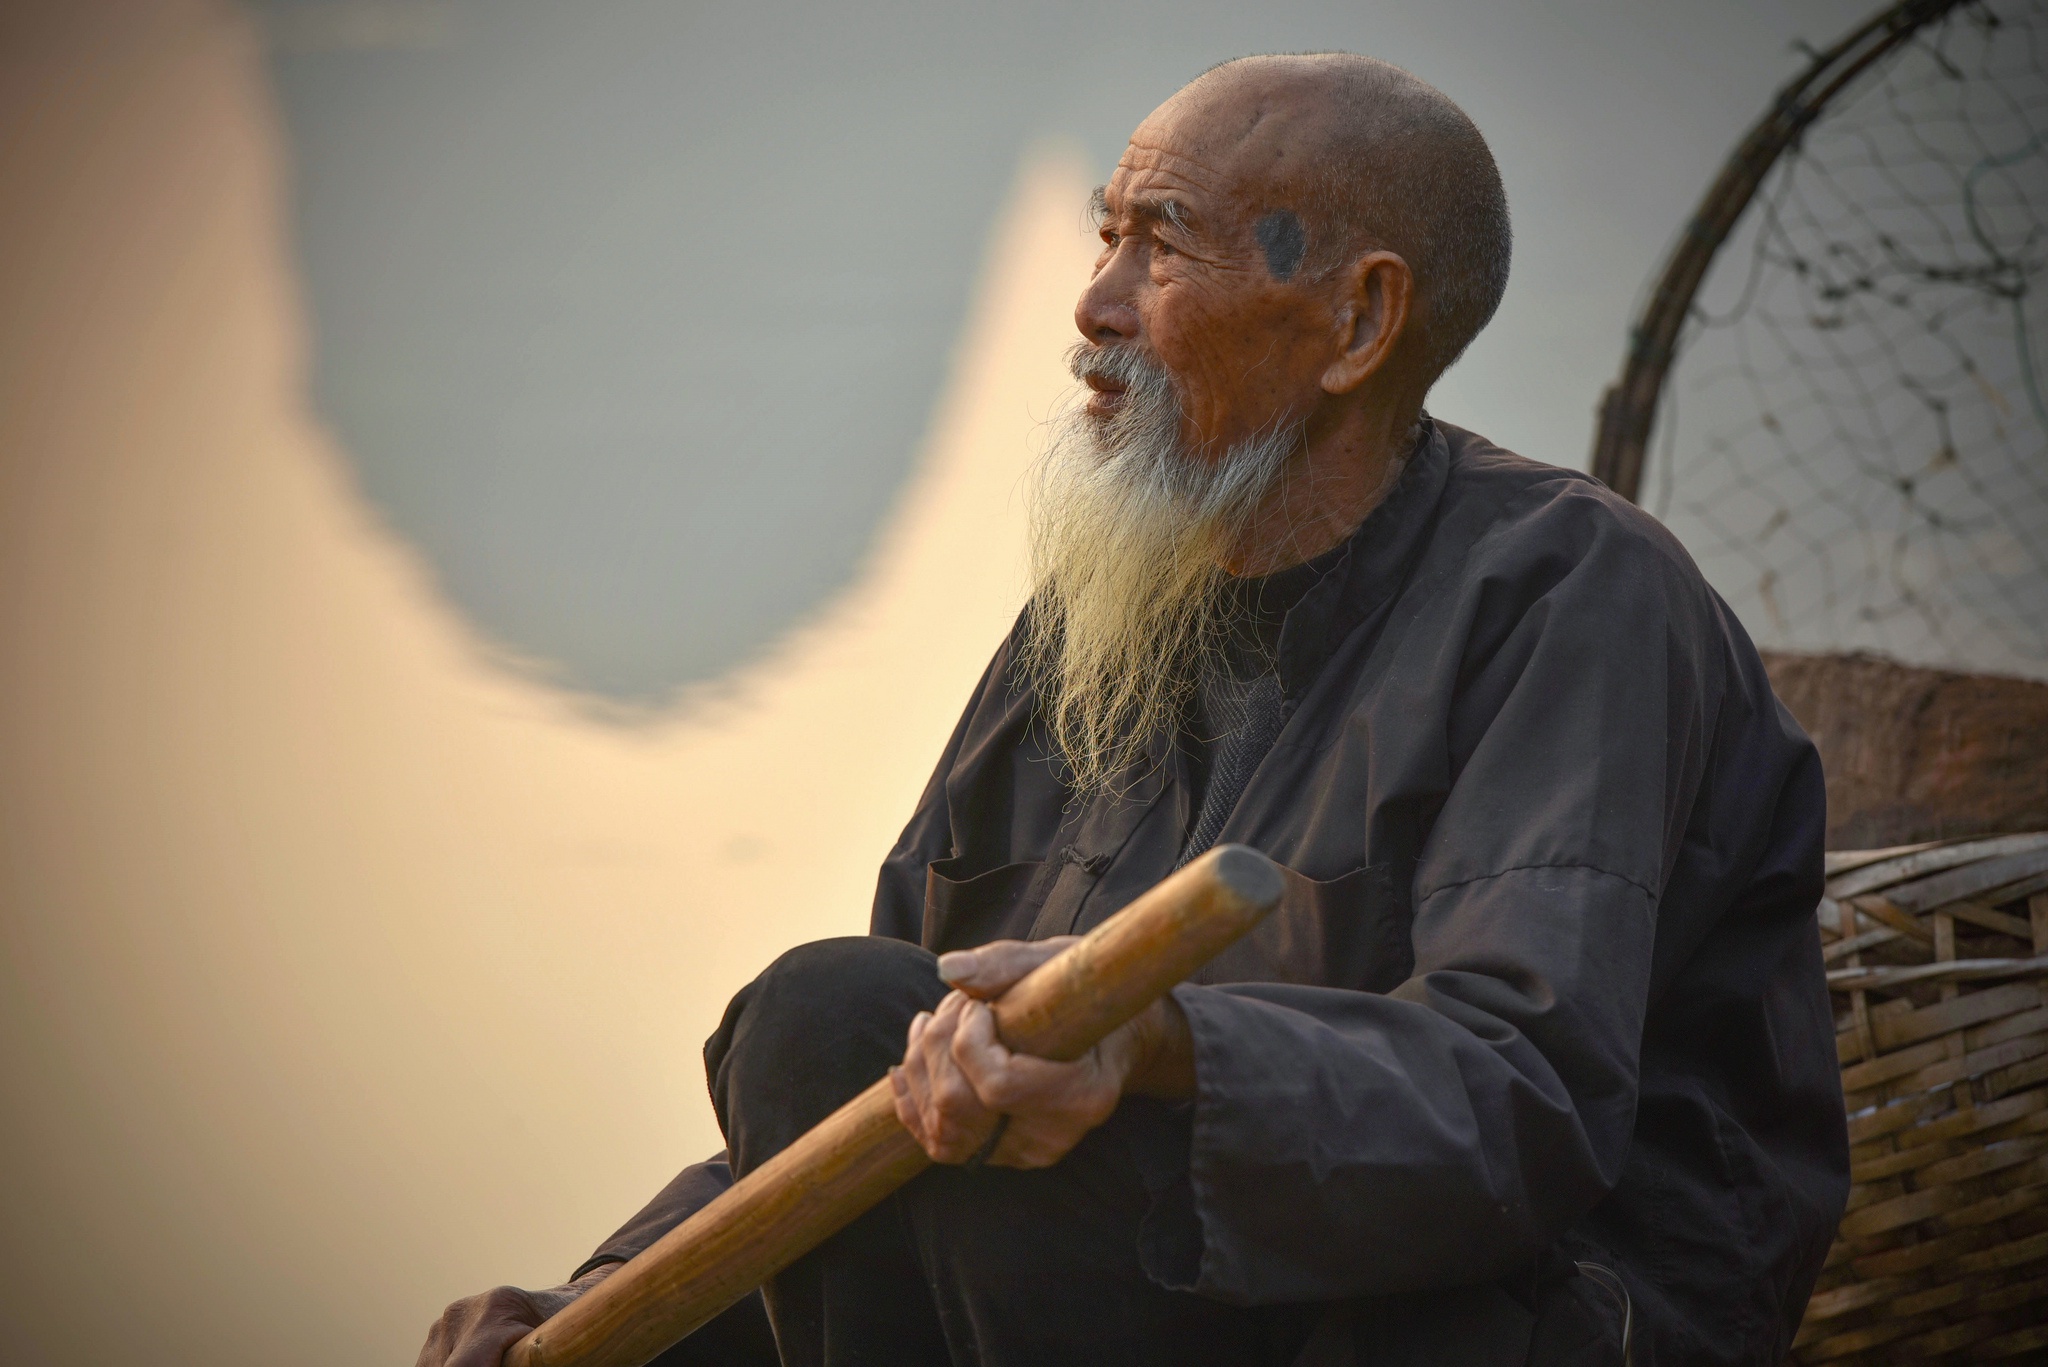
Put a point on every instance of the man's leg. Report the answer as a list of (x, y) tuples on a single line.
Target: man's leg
[(818, 1027), (990, 1266), (1043, 1266)]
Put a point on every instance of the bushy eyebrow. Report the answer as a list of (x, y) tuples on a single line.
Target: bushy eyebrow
[(1156, 208)]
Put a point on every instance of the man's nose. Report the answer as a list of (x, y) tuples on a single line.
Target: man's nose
[(1102, 315)]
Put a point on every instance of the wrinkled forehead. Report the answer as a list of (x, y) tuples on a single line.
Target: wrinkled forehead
[(1233, 146)]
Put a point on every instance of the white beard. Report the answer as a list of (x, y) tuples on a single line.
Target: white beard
[(1129, 530)]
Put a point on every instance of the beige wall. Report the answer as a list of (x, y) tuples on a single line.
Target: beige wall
[(346, 968)]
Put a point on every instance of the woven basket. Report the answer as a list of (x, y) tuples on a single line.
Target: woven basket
[(1938, 958)]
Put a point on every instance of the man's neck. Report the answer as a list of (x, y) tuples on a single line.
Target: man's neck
[(1345, 471)]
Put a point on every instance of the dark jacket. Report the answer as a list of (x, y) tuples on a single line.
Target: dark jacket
[(1539, 1039)]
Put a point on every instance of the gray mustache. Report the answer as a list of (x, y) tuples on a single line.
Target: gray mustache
[(1125, 366)]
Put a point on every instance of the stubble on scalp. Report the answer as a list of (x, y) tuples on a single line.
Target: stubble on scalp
[(1129, 533)]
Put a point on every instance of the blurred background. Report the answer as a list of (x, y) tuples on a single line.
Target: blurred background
[(500, 504)]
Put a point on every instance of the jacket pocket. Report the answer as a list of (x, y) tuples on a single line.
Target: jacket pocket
[(962, 910), (1350, 931)]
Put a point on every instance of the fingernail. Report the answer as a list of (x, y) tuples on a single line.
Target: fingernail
[(956, 965)]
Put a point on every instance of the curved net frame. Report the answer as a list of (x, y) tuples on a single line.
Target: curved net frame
[(1854, 440)]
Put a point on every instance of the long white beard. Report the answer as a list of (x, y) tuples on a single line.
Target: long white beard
[(1129, 532)]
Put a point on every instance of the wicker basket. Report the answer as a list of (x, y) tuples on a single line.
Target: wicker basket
[(1938, 957)]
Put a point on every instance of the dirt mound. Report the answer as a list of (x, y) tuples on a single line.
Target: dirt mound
[(1919, 754)]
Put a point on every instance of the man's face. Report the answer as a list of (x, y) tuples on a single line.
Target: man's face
[(1200, 269)]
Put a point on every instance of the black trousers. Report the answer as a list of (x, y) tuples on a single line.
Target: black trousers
[(991, 1266)]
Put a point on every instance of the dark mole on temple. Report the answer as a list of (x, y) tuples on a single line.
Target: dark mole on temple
[(1282, 239)]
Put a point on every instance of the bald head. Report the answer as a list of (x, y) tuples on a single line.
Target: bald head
[(1349, 154)]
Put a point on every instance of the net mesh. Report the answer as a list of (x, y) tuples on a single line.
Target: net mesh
[(1854, 443)]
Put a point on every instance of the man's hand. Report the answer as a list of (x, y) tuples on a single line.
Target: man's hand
[(476, 1332), (957, 1080)]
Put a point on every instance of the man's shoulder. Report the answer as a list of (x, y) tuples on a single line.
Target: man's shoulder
[(1514, 503)]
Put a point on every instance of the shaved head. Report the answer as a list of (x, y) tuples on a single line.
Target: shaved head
[(1357, 154)]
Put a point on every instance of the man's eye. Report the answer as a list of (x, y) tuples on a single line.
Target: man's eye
[(1109, 237)]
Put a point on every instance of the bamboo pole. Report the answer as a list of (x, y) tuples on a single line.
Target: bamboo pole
[(861, 1153)]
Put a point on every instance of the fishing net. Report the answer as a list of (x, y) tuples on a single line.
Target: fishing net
[(1854, 440)]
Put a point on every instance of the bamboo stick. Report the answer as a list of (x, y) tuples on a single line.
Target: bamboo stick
[(861, 1153)]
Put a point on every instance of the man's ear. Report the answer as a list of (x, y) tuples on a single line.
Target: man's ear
[(1375, 296)]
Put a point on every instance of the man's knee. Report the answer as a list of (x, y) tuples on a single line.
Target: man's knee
[(820, 1024)]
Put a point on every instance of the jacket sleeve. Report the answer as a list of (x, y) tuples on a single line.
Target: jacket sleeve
[(1347, 1143), (691, 1190)]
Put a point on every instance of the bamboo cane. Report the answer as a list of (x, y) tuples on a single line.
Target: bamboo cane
[(861, 1153)]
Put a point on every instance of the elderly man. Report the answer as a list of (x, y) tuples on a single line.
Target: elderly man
[(1535, 1061)]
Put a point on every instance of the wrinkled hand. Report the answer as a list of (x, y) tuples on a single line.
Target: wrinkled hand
[(475, 1332), (957, 1079)]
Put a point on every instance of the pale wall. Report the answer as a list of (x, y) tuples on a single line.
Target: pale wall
[(343, 970)]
